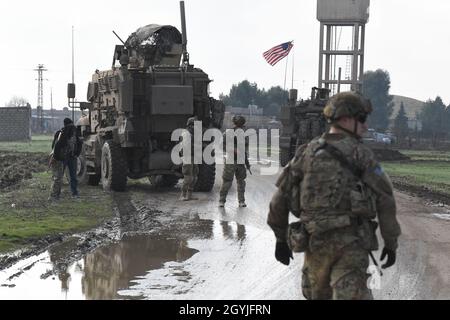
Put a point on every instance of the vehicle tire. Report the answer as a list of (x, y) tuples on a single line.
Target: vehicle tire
[(285, 156), (163, 181), (113, 167), (206, 177)]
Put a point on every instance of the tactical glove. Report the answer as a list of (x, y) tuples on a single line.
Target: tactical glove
[(283, 253), (391, 255)]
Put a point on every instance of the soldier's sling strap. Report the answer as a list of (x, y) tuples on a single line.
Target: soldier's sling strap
[(339, 156)]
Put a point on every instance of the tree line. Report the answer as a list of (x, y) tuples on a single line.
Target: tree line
[(434, 116), (247, 93)]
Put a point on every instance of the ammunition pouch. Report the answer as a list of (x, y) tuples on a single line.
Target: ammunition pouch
[(366, 232), (297, 237), (362, 202), (328, 223), (294, 200)]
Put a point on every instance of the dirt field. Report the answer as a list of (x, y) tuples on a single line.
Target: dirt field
[(16, 166)]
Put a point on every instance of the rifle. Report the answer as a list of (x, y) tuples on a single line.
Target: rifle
[(375, 263)]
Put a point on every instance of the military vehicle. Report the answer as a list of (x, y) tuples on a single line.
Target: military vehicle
[(301, 121), (134, 108)]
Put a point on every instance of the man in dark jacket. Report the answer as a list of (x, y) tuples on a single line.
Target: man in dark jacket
[(66, 147)]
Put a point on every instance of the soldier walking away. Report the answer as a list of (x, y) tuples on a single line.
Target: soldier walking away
[(66, 147), (189, 168), (232, 167), (337, 189)]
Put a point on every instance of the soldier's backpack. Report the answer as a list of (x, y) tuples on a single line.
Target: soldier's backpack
[(74, 144)]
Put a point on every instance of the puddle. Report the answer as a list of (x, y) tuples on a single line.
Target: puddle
[(99, 275), (237, 263), (111, 271), (443, 216)]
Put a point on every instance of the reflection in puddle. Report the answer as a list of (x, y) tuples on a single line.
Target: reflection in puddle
[(444, 216), (109, 270), (237, 263), (98, 276)]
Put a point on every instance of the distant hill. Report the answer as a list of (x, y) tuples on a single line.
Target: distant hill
[(412, 106)]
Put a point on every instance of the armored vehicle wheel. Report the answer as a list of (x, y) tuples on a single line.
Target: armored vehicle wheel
[(285, 157), (206, 177), (163, 181), (113, 167)]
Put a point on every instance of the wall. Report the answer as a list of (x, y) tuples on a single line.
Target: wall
[(15, 123)]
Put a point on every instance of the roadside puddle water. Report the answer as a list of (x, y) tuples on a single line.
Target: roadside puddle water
[(111, 270), (443, 216)]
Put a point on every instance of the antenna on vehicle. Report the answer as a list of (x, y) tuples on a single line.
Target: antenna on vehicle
[(184, 34), (119, 38)]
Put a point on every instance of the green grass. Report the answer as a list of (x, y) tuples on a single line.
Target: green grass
[(434, 175), (421, 155), (26, 214), (40, 143)]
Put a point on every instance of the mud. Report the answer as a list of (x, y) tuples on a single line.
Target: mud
[(147, 220), (131, 218), (385, 154), (15, 167), (431, 196)]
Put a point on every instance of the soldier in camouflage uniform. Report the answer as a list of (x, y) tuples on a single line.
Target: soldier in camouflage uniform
[(232, 166), (189, 169), (337, 189)]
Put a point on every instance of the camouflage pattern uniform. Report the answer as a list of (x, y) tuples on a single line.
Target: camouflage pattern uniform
[(337, 209), (189, 169), (233, 169), (57, 178)]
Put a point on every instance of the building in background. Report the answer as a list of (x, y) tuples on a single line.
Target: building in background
[(15, 123), (51, 120)]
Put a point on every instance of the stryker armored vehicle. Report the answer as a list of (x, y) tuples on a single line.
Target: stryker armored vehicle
[(301, 121), (134, 108)]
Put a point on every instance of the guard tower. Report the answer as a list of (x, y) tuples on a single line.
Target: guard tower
[(342, 33)]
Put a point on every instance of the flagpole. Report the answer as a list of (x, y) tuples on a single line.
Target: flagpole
[(285, 73), (293, 61)]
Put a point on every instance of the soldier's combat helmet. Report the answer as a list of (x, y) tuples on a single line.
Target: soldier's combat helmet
[(347, 104), (238, 121)]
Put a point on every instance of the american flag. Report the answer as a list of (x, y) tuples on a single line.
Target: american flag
[(277, 53)]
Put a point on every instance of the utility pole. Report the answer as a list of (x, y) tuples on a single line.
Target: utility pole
[(40, 101), (51, 109), (73, 77)]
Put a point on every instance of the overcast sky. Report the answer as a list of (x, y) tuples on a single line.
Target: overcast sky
[(408, 38)]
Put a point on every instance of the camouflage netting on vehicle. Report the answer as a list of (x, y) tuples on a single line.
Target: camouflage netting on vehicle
[(151, 43)]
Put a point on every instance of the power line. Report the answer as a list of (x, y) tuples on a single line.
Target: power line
[(40, 99)]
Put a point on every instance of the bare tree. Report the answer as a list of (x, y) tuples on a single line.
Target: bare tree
[(16, 101)]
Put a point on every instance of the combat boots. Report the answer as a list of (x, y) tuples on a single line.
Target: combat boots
[(183, 195), (189, 196)]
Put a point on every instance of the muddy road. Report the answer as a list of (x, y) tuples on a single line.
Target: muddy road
[(158, 247)]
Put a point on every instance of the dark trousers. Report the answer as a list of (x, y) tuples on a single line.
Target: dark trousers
[(71, 164)]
